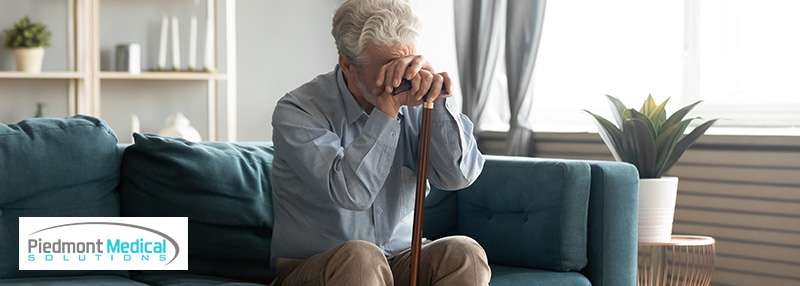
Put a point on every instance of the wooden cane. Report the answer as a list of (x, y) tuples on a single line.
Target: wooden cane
[(422, 176), (419, 201)]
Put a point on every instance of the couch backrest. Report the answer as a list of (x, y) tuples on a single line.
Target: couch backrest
[(525, 212), (54, 167)]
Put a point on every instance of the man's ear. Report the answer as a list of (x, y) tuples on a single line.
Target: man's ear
[(348, 68), (345, 64)]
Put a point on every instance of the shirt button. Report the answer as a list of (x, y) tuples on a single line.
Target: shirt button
[(393, 133)]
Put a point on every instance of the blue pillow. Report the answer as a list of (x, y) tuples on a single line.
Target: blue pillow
[(224, 189), (54, 167)]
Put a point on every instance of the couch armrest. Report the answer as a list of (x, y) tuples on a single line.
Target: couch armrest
[(613, 218)]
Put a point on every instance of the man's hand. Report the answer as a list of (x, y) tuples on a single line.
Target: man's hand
[(406, 67), (426, 85)]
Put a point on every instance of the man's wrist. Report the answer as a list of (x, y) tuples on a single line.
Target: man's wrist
[(389, 110), (380, 127)]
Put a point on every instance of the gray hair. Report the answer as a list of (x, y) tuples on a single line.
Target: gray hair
[(380, 22)]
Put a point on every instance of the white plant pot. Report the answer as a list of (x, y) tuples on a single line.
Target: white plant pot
[(29, 60), (657, 208)]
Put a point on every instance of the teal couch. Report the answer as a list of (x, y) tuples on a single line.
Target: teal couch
[(541, 221)]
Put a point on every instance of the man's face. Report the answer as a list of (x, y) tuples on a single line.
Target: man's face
[(366, 71)]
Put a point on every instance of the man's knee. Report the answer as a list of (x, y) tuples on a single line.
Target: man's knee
[(361, 251), (461, 246), (462, 260), (356, 262)]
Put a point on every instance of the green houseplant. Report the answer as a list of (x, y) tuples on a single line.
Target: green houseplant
[(653, 142), (28, 40)]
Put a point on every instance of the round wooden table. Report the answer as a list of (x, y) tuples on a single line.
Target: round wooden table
[(686, 260)]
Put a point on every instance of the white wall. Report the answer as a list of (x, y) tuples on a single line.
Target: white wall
[(281, 45), (437, 42), (17, 98)]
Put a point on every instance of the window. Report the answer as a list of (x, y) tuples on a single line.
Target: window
[(743, 60), (741, 57)]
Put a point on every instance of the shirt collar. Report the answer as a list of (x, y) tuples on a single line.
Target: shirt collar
[(351, 107)]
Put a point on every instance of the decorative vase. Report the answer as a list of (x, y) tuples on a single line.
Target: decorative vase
[(179, 126), (29, 59), (657, 208)]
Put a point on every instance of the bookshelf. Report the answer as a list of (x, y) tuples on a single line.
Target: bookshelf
[(43, 75), (85, 77), (163, 75)]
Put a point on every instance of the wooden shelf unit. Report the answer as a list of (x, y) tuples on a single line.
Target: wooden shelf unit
[(42, 75), (84, 75), (162, 76)]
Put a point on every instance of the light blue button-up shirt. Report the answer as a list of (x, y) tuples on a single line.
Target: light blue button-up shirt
[(341, 174)]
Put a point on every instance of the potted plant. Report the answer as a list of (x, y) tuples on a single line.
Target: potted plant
[(652, 142), (28, 40)]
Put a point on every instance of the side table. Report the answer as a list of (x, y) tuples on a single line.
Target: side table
[(684, 260)]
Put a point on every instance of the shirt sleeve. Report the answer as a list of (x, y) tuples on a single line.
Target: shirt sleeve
[(454, 159), (351, 176)]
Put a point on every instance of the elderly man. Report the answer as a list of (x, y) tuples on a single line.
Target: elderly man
[(345, 157)]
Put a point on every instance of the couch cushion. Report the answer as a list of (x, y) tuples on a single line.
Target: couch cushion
[(87, 280), (171, 278), (529, 212), (54, 167), (513, 276), (223, 188)]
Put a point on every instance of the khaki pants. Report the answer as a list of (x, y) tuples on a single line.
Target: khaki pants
[(454, 260)]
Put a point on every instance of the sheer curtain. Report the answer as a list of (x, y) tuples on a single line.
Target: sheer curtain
[(478, 42), (492, 34), (524, 21)]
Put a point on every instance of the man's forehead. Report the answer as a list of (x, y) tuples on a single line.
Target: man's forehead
[(383, 54)]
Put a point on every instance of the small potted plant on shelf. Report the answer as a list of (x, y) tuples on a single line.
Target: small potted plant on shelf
[(28, 40), (652, 142)]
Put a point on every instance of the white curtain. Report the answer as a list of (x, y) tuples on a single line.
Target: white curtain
[(478, 42), (523, 33), (480, 34)]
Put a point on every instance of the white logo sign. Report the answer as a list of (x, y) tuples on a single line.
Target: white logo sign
[(103, 243)]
